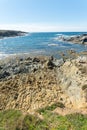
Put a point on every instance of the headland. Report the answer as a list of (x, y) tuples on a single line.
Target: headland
[(10, 33)]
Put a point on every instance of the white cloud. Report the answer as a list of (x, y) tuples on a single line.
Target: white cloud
[(42, 27)]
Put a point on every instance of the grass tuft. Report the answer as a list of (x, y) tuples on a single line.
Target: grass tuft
[(15, 120), (52, 107)]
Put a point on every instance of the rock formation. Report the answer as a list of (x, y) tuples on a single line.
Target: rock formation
[(9, 33), (80, 39), (32, 83)]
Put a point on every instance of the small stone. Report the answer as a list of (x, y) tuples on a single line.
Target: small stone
[(36, 60)]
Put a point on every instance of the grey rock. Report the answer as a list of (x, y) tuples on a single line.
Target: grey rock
[(4, 74), (58, 63), (50, 64), (82, 59), (36, 60), (80, 39), (54, 63)]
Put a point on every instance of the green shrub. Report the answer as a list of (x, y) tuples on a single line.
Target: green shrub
[(15, 120), (78, 121), (31, 122), (52, 107), (9, 119)]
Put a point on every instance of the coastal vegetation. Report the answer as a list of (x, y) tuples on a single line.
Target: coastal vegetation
[(16, 120)]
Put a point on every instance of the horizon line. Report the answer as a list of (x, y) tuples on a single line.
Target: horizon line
[(43, 28)]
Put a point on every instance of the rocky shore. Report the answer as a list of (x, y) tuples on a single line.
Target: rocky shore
[(31, 83), (80, 39), (10, 33)]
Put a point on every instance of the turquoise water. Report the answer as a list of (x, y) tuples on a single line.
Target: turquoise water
[(38, 44)]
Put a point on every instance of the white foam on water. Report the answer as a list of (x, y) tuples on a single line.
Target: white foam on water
[(2, 55), (53, 44), (33, 52), (60, 34)]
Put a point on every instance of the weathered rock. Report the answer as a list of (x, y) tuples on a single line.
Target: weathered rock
[(54, 63), (82, 59), (84, 41), (4, 74), (32, 85), (71, 81), (36, 60), (50, 64), (58, 63), (80, 39)]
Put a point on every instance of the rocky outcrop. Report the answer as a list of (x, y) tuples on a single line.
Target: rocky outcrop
[(72, 77), (32, 83), (9, 33), (80, 39)]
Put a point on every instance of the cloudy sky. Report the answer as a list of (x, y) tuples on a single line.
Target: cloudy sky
[(43, 15)]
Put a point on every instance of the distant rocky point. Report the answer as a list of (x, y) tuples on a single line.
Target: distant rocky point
[(11, 33), (80, 39)]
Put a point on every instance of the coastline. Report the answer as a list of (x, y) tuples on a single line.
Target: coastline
[(78, 39), (11, 34), (29, 82), (34, 88), (30, 45), (19, 76)]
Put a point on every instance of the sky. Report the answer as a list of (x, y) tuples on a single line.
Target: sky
[(43, 15)]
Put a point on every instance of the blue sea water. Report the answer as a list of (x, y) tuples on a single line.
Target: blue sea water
[(39, 44)]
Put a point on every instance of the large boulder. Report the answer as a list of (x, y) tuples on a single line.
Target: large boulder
[(55, 62)]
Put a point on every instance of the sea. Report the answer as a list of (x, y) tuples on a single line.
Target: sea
[(43, 43)]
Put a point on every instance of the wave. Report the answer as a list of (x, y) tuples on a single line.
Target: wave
[(59, 34), (53, 44)]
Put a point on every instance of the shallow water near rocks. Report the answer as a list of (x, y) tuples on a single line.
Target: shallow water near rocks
[(39, 44)]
